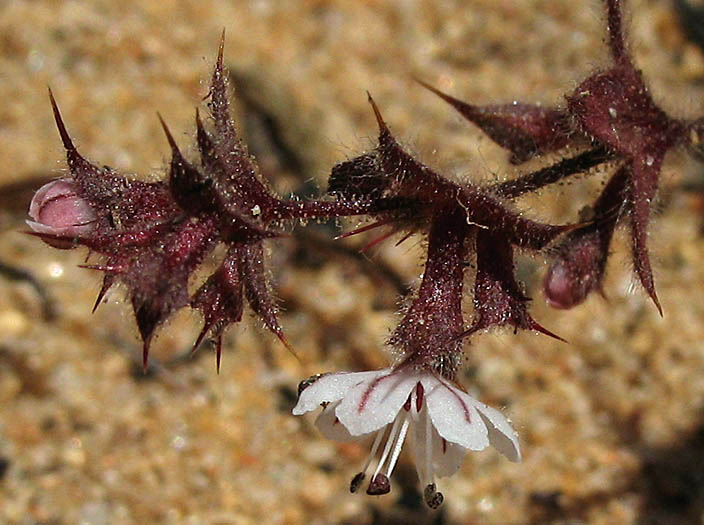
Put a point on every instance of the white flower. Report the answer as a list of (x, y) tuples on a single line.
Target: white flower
[(443, 420)]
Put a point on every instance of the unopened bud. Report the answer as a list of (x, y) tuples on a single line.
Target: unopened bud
[(57, 209), (575, 271)]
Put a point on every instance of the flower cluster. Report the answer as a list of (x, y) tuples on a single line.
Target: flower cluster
[(153, 236)]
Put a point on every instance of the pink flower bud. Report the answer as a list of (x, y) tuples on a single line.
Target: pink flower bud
[(576, 270), (57, 209)]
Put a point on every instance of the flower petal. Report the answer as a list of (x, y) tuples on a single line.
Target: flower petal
[(43, 228), (330, 388), (454, 415), (331, 428), (377, 401), (74, 231), (502, 436), (50, 190), (446, 457)]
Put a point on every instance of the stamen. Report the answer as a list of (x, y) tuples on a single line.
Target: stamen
[(359, 478), (429, 451), (375, 447), (432, 497), (398, 447), (387, 448)]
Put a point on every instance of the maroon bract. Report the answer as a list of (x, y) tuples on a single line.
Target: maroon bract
[(498, 298), (525, 130)]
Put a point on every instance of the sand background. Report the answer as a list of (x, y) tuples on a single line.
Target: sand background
[(611, 424)]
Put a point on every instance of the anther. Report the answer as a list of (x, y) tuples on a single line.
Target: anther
[(379, 485), (419, 396), (357, 482), (432, 497)]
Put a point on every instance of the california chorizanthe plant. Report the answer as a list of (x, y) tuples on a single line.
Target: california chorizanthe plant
[(153, 236)]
